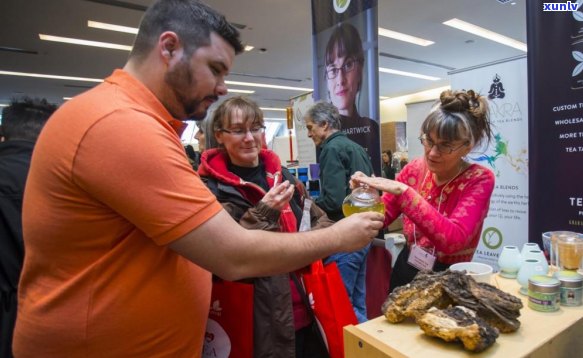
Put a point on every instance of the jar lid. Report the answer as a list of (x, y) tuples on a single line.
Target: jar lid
[(569, 278), (363, 196), (541, 283)]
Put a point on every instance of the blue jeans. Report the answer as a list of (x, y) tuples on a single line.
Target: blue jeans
[(352, 267)]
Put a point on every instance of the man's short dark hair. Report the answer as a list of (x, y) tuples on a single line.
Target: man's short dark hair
[(191, 20), (24, 119)]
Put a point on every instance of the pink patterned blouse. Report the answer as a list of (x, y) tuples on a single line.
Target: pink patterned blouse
[(453, 227)]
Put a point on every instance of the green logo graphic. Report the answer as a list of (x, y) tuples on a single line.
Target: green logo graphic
[(492, 238), (340, 5)]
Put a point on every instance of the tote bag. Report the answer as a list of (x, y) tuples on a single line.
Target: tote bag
[(331, 305), (229, 329)]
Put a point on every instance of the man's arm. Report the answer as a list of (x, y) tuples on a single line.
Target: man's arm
[(223, 247)]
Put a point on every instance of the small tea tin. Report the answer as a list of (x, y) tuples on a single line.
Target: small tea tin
[(544, 293), (571, 288)]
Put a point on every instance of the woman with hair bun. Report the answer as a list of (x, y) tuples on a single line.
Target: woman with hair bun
[(443, 198)]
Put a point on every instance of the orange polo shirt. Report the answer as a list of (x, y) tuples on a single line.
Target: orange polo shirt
[(109, 187)]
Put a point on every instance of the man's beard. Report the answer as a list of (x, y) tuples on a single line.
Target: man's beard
[(181, 81)]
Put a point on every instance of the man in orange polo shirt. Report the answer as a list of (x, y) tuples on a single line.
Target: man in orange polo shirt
[(120, 233)]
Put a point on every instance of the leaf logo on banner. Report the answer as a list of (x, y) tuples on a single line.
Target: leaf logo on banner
[(579, 68), (340, 5)]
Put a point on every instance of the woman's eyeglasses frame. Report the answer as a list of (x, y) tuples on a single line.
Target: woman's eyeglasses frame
[(443, 148), (240, 132), (348, 66)]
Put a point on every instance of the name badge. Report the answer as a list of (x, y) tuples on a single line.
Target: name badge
[(421, 259)]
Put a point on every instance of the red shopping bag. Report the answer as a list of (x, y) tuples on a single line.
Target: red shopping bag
[(331, 305), (229, 329)]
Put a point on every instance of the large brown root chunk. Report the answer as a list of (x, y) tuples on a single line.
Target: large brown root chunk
[(459, 323), (416, 298), (440, 290)]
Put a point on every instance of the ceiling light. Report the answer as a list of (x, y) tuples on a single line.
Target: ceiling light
[(485, 33), (264, 85), (404, 37), (249, 47), (408, 74), (84, 42), (272, 109), (112, 27), (275, 119), (240, 91), (67, 98), (40, 75), (382, 98), (431, 94), (4, 105)]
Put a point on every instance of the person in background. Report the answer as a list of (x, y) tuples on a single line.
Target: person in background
[(200, 137), (443, 198), (339, 159), (344, 67), (193, 156), (22, 122), (403, 162), (387, 169), (120, 237), (244, 178)]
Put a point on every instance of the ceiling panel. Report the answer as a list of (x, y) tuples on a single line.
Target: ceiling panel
[(281, 27)]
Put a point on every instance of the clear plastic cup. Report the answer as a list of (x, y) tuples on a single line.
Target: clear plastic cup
[(553, 251), (570, 252)]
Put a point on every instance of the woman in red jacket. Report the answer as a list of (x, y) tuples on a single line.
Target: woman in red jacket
[(245, 177)]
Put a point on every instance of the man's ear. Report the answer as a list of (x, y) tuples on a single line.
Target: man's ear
[(169, 44)]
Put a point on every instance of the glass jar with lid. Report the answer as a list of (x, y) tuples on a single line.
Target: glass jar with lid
[(362, 199)]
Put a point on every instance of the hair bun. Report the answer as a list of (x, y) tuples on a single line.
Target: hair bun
[(458, 101)]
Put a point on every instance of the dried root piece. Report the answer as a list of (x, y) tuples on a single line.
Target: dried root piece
[(459, 323), (416, 298)]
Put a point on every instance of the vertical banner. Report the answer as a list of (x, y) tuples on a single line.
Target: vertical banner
[(305, 145), (504, 83), (555, 74), (345, 68)]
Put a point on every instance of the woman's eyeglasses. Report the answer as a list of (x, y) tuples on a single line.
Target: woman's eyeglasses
[(348, 66), (241, 132), (443, 148)]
